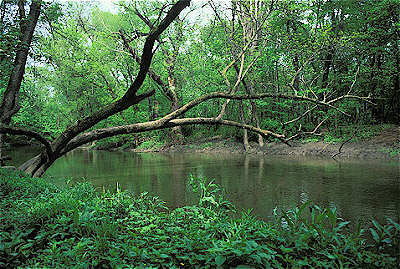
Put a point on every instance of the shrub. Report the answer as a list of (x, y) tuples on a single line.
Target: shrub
[(79, 227)]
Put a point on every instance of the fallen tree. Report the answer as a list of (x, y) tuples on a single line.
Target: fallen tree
[(81, 131)]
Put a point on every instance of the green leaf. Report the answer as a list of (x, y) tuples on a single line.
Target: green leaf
[(332, 216), (285, 249), (219, 260), (395, 225), (256, 257), (374, 234), (377, 225)]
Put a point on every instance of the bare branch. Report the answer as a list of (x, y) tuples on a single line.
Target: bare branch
[(223, 95), (314, 132), (299, 117), (347, 96), (171, 120), (354, 81), (341, 146)]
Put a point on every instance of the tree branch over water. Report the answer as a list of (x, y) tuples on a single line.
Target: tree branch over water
[(7, 129), (302, 101), (170, 120), (42, 162)]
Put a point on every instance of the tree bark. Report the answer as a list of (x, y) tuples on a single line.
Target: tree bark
[(327, 67), (42, 162), (245, 133), (38, 165), (250, 18), (169, 88), (10, 106)]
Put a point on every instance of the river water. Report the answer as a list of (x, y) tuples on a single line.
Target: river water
[(359, 189)]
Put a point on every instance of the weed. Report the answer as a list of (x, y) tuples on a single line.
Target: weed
[(44, 226)]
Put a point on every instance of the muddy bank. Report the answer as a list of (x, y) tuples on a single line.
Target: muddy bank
[(384, 145)]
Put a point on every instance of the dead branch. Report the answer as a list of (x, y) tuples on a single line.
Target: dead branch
[(171, 120), (7, 129), (340, 148), (299, 117), (314, 132)]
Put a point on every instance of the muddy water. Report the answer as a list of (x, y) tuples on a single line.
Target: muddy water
[(359, 189)]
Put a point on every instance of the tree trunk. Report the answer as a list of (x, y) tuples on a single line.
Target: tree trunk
[(245, 133), (10, 106), (250, 20), (327, 67), (176, 131), (39, 164), (170, 88)]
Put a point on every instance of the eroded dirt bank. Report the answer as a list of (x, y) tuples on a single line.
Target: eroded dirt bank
[(384, 145)]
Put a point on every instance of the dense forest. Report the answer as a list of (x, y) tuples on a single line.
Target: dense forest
[(130, 73), (74, 72)]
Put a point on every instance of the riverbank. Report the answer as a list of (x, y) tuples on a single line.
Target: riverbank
[(383, 145), (42, 226)]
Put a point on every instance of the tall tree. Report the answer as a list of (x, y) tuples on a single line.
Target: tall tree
[(27, 25), (86, 128)]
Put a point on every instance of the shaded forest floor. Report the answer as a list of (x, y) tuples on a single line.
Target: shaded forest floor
[(385, 144)]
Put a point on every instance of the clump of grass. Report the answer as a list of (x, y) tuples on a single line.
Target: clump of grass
[(79, 227)]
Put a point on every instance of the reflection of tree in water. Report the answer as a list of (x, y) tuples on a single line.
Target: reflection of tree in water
[(88, 156), (178, 178), (359, 189), (155, 183)]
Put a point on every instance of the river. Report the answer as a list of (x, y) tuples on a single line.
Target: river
[(359, 189)]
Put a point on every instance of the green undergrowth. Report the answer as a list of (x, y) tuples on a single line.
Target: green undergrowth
[(353, 133), (44, 226)]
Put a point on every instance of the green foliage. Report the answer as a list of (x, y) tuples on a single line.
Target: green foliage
[(356, 132), (203, 146), (42, 226), (82, 65), (330, 139), (207, 192), (151, 144), (391, 151)]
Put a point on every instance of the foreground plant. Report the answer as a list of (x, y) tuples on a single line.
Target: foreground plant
[(43, 226)]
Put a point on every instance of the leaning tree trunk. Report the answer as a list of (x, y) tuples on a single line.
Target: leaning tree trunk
[(10, 106), (169, 88), (39, 164)]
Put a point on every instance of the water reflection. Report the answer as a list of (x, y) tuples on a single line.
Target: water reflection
[(358, 188)]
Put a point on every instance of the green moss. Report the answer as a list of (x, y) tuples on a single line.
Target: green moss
[(79, 227)]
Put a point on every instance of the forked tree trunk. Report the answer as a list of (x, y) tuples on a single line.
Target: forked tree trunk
[(168, 88)]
